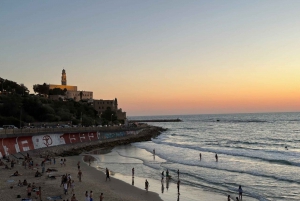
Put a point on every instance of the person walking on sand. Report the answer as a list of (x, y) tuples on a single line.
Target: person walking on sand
[(216, 156), (132, 172), (79, 175), (107, 174), (240, 192), (91, 195), (178, 186), (87, 198), (101, 197), (146, 185), (228, 198), (78, 165)]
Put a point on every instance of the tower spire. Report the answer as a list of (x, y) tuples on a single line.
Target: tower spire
[(63, 77)]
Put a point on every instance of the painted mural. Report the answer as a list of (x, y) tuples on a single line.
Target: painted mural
[(25, 143)]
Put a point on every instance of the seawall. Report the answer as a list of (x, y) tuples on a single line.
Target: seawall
[(76, 142)]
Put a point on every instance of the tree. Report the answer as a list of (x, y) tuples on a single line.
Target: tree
[(109, 115), (41, 89), (57, 91)]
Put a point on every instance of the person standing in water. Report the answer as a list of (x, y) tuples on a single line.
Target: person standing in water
[(216, 156), (200, 156), (146, 185), (178, 173), (132, 172), (240, 192)]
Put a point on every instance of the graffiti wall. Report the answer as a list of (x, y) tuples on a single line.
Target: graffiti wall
[(25, 143)]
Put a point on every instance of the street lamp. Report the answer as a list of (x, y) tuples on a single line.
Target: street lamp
[(20, 116)]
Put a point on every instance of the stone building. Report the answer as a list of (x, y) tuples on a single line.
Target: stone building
[(72, 91), (101, 105)]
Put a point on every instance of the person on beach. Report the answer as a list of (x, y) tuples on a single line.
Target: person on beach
[(132, 172), (216, 156), (65, 162), (107, 174), (178, 186), (167, 174), (237, 199), (200, 156), (162, 176), (29, 189), (79, 175), (87, 197), (146, 185), (228, 198), (91, 195), (72, 186), (78, 165), (54, 160), (101, 197), (240, 192), (61, 162), (178, 173), (73, 198), (153, 151), (66, 188), (39, 193)]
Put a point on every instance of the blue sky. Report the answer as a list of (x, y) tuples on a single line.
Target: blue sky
[(177, 56)]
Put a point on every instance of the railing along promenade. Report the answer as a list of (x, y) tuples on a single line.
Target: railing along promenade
[(37, 131)]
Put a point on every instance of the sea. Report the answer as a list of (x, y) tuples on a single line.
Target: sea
[(260, 152)]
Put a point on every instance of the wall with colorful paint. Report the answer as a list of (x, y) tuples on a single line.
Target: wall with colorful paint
[(18, 144)]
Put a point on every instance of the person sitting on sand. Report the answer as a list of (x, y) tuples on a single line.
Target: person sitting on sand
[(6, 167), (51, 170), (20, 183), (25, 182), (38, 174), (101, 197), (16, 173), (73, 198)]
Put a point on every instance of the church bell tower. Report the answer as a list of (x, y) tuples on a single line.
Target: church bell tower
[(63, 77)]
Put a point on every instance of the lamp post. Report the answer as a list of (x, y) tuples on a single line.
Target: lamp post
[(20, 116)]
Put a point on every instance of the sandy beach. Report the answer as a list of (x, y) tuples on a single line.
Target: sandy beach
[(92, 180)]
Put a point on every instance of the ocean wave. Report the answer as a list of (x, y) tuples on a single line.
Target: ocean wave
[(244, 153)]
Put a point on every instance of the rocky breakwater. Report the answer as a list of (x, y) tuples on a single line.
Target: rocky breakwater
[(145, 134)]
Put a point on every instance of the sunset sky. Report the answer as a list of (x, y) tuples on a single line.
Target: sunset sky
[(159, 57)]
